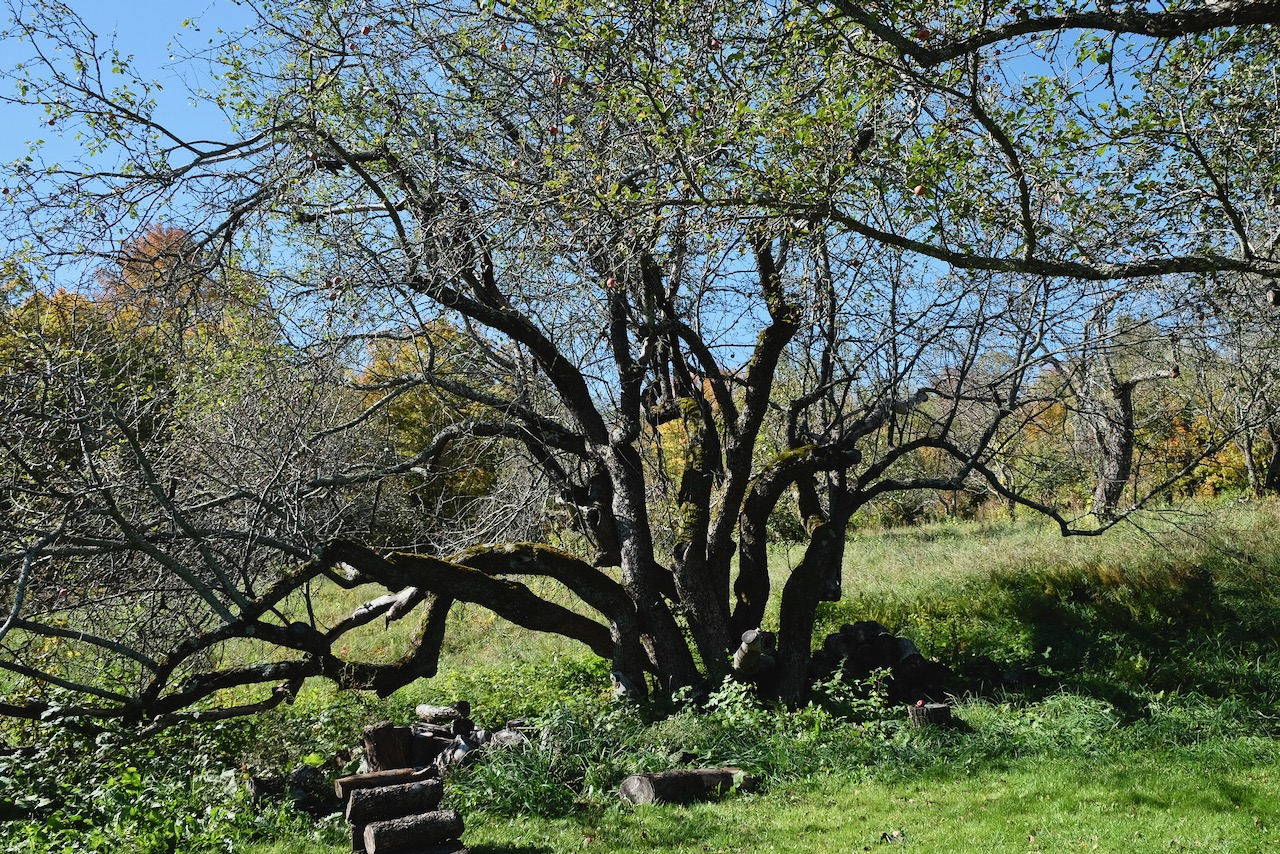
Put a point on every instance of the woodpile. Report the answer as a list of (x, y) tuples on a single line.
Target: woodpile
[(393, 807), (396, 811), (445, 737), (859, 649)]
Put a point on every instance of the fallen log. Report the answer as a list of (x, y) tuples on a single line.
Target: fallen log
[(344, 786), (397, 834), (684, 786), (370, 805)]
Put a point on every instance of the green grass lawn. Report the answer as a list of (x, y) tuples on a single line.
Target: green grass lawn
[(1156, 803), (1152, 727), (1187, 799), (1119, 614)]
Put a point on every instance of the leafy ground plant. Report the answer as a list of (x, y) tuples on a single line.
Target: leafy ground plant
[(181, 791)]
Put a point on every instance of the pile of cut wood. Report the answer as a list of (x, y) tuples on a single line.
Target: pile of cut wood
[(859, 649), (393, 806), (445, 737), (397, 811)]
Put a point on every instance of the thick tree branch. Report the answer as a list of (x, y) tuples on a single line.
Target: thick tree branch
[(1128, 20)]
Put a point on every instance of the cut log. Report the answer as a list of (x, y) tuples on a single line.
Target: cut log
[(865, 631), (684, 785), (344, 786), (886, 646), (907, 650), (443, 714), (463, 749), (383, 802), (386, 746), (397, 834), (936, 714), (505, 738), (422, 728)]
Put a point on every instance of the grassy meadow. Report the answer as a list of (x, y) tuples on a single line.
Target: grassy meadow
[(1143, 718)]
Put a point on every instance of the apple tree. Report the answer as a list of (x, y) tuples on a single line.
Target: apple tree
[(709, 260)]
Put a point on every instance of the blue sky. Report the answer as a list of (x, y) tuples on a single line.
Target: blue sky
[(150, 30)]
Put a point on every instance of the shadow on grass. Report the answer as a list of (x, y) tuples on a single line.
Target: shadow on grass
[(1113, 630), (510, 849)]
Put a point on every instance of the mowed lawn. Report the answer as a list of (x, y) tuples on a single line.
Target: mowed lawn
[(1197, 799), (1147, 769), (1138, 803)]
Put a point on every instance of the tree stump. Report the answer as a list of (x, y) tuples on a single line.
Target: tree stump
[(383, 802), (685, 785), (398, 834), (936, 714), (387, 746)]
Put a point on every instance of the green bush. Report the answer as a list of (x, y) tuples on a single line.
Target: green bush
[(178, 791)]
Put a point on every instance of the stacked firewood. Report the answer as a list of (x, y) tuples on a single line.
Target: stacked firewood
[(397, 811), (860, 649), (393, 806), (444, 738)]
